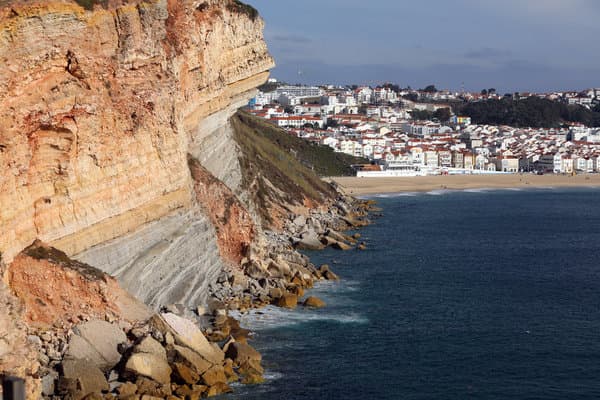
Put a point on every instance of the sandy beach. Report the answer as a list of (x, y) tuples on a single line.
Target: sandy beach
[(364, 186)]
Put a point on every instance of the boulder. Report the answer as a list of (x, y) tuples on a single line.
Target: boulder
[(309, 241), (300, 221), (103, 340), (149, 365), (313, 301), (330, 276), (218, 389), (214, 375), (185, 374), (242, 352), (81, 349), (251, 372), (254, 270), (191, 359), (278, 270), (127, 389), (288, 300), (323, 268), (338, 236), (150, 345), (187, 334), (275, 293), (336, 244), (81, 378)]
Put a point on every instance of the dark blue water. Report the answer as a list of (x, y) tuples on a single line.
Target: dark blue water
[(483, 295)]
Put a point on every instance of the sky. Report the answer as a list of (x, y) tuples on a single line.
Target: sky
[(509, 45)]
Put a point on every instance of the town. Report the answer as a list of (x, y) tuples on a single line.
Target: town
[(406, 132)]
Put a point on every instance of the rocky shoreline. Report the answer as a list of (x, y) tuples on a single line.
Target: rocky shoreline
[(182, 353)]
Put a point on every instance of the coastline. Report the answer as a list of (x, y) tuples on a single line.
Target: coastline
[(368, 186)]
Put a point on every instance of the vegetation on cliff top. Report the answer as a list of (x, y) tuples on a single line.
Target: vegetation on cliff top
[(281, 169), (242, 8), (89, 4)]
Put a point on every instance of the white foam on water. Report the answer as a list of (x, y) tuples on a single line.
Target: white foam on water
[(272, 317), (477, 190), (439, 192)]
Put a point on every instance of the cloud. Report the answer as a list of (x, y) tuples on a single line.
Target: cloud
[(488, 53)]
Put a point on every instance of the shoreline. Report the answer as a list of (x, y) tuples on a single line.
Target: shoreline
[(355, 186)]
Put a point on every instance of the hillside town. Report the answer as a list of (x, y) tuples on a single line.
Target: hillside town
[(383, 126)]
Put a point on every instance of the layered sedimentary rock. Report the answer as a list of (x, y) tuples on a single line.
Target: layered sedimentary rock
[(98, 111)]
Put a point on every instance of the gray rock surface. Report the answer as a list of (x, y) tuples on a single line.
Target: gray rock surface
[(80, 378), (97, 342)]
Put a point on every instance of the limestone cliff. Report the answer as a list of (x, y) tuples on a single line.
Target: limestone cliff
[(99, 109)]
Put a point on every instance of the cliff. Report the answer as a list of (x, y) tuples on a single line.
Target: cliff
[(127, 181), (98, 111)]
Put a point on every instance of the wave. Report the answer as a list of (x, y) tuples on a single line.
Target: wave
[(439, 192), (272, 317)]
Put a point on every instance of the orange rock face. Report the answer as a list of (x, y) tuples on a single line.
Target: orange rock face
[(234, 225), (59, 292), (97, 109)]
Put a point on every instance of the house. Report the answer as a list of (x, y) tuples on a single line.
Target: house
[(432, 158), (458, 159), (507, 164), (468, 160), (445, 158)]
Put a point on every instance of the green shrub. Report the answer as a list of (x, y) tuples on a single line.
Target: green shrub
[(89, 4), (243, 8)]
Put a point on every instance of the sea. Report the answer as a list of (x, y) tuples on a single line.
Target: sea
[(475, 294)]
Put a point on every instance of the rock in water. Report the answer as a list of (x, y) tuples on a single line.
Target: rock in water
[(288, 300), (242, 352), (313, 301)]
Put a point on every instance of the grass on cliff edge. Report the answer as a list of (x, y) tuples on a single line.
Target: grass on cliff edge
[(320, 159), (271, 165)]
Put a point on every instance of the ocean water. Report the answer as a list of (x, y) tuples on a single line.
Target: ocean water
[(482, 294)]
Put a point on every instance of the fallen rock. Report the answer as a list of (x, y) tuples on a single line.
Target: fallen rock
[(309, 241), (288, 300), (242, 352), (255, 271), (185, 374), (149, 365), (340, 245), (80, 378), (127, 389), (217, 389), (313, 301), (330, 276), (149, 345), (187, 334), (251, 372), (275, 293), (103, 339), (215, 375), (191, 359)]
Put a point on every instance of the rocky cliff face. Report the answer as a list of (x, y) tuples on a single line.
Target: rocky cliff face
[(99, 109)]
